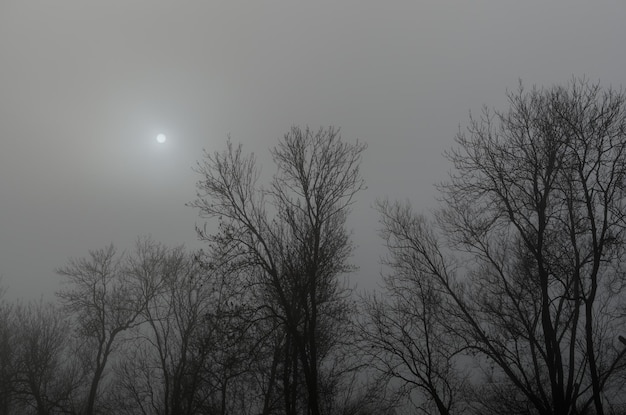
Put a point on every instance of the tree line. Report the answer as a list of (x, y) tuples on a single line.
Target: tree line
[(508, 299)]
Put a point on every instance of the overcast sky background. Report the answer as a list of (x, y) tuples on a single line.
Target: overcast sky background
[(86, 86)]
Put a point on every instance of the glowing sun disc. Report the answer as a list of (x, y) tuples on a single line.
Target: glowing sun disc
[(161, 138)]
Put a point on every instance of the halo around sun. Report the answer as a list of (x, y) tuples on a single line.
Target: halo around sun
[(161, 138)]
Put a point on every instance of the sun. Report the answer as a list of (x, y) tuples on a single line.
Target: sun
[(161, 138)]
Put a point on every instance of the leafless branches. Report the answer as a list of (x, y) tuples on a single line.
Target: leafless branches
[(535, 209), (289, 239)]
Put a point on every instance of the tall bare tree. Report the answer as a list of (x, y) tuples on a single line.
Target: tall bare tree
[(290, 238), (104, 302), (403, 330), (535, 211)]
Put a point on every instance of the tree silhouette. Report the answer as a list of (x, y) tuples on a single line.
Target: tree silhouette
[(104, 302), (534, 209), (290, 239)]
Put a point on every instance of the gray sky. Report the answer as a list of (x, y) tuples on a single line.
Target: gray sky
[(86, 86)]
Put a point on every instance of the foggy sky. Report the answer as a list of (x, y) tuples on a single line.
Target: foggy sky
[(86, 86)]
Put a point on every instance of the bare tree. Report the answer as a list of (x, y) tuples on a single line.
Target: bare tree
[(45, 374), (403, 331), (7, 355), (173, 315), (290, 238), (104, 302), (185, 356), (535, 211)]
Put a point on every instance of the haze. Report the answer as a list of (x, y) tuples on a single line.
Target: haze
[(85, 87)]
